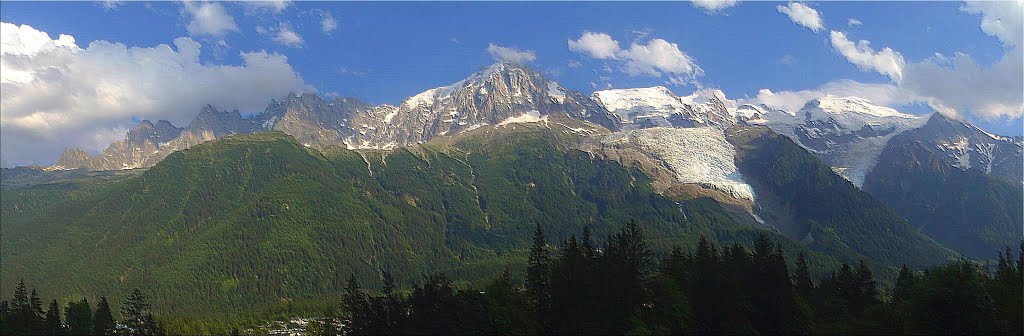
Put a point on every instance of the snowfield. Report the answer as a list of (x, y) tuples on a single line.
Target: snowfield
[(698, 155)]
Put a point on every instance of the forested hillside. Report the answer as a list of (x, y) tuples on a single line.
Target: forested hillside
[(251, 220), (811, 203), (970, 210)]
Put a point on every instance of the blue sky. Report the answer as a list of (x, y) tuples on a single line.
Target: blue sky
[(384, 52)]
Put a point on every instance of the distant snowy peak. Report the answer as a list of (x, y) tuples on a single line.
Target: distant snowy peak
[(652, 98), (487, 97), (480, 81), (658, 106), (847, 133), (833, 105)]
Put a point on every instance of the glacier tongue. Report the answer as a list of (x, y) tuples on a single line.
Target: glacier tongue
[(698, 155)]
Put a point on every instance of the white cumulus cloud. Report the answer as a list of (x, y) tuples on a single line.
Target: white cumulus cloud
[(802, 15), (655, 58), (510, 54), (1001, 19), (885, 61), (288, 37), (57, 94), (958, 84), (209, 19), (597, 45), (658, 56), (712, 6)]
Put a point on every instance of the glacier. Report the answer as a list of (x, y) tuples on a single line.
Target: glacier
[(699, 155)]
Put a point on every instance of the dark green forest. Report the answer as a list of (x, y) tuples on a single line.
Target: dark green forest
[(618, 287)]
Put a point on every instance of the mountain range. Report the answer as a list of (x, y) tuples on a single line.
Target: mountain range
[(681, 137), (454, 178)]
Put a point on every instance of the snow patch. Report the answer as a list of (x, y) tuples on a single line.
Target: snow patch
[(389, 116), (528, 117), (556, 92)]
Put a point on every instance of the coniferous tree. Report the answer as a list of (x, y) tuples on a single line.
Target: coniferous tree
[(137, 314), (904, 284), (538, 281), (587, 244), (627, 261), (53, 323), (79, 318), (709, 313), (568, 287), (358, 308), (103, 319), (867, 289), (507, 307), (434, 308), (21, 311), (38, 320), (1006, 288)]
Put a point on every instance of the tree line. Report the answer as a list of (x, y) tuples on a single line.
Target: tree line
[(24, 315), (617, 288)]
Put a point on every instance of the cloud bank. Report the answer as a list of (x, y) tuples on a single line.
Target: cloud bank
[(58, 95), (957, 85)]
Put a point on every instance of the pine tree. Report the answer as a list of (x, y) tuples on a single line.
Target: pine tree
[(135, 311), (676, 267), (21, 311), (53, 325), (38, 317), (538, 281), (866, 288), (904, 284), (79, 318), (567, 287), (358, 307), (587, 244), (628, 260), (104, 318), (392, 306), (703, 290)]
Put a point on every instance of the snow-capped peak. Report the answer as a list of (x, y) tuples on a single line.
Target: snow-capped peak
[(627, 99), (704, 96), (429, 97), (838, 105)]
